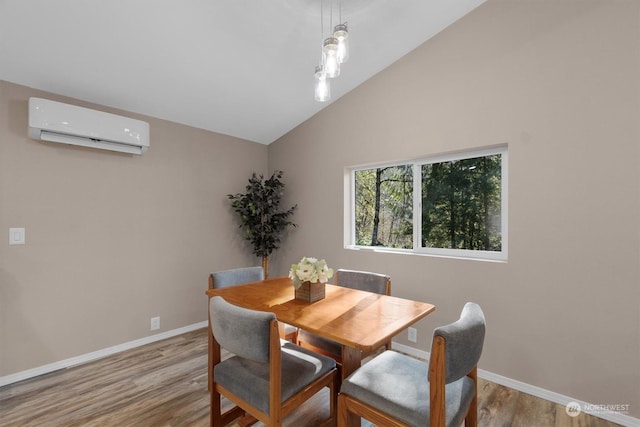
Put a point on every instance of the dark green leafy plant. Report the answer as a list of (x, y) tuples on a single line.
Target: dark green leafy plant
[(261, 219)]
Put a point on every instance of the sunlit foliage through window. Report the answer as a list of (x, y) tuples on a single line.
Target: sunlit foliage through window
[(459, 200), (384, 213)]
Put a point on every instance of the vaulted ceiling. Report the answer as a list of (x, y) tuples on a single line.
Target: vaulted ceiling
[(238, 67)]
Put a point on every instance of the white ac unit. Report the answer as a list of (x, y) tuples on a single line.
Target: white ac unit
[(69, 124)]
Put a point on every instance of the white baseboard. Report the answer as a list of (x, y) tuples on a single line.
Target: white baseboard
[(612, 416), (420, 354), (84, 358)]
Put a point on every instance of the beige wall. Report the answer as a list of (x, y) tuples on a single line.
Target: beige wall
[(558, 81), (111, 239)]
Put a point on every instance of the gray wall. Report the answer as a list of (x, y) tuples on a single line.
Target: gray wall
[(558, 81)]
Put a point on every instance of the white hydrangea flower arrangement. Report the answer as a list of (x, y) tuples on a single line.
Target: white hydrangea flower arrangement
[(310, 270)]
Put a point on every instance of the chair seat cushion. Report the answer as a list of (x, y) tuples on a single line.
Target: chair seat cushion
[(398, 385), (320, 342), (250, 380)]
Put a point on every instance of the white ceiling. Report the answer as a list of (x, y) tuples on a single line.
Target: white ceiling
[(238, 67)]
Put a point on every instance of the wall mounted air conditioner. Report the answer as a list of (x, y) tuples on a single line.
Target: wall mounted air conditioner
[(69, 124)]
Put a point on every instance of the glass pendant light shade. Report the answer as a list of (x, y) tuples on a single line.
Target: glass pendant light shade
[(322, 86), (335, 51), (330, 54), (341, 34)]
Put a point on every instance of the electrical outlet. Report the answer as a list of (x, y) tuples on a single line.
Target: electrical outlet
[(412, 334), (155, 323)]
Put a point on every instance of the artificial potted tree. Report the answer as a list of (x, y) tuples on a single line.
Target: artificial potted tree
[(261, 219)]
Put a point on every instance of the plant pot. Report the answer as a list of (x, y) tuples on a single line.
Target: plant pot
[(310, 292)]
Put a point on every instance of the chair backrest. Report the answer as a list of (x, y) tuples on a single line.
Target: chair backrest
[(242, 331), (463, 342), (363, 281), (236, 276)]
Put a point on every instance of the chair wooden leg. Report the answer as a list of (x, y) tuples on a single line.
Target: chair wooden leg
[(215, 415), (247, 420), (343, 413), (209, 361), (232, 414), (333, 398), (292, 336), (471, 419)]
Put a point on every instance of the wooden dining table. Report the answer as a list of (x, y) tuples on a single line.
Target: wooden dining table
[(360, 321)]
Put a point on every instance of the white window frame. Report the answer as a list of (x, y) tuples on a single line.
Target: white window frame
[(349, 205)]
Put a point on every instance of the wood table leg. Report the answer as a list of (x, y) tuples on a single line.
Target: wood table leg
[(351, 359)]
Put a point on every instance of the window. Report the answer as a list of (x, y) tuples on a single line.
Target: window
[(460, 202)]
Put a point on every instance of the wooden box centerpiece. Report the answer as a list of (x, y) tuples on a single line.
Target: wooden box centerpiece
[(309, 277), (310, 292)]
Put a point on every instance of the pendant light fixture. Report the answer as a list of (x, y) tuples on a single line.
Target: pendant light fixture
[(322, 86), (335, 51), (341, 34), (330, 53)]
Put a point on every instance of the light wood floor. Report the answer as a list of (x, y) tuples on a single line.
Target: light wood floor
[(165, 384)]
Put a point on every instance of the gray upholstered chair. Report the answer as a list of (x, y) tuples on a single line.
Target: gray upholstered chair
[(360, 280), (239, 276), (397, 390), (363, 281), (236, 276), (267, 377)]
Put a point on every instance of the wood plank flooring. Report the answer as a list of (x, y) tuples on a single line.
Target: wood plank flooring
[(164, 384)]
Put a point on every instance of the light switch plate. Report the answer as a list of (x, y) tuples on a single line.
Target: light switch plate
[(16, 236)]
